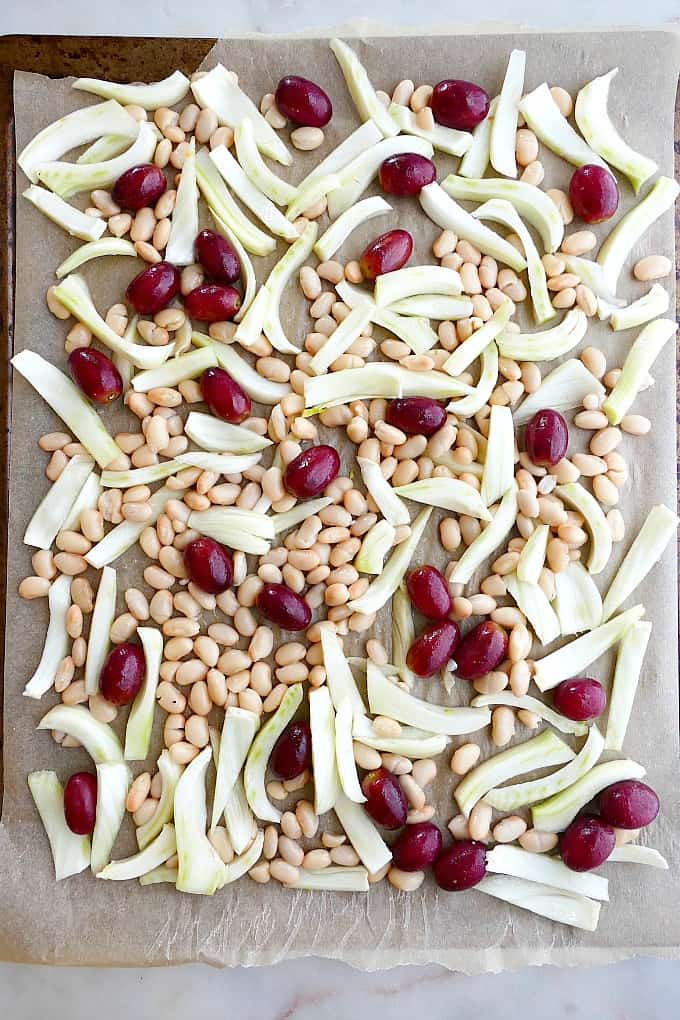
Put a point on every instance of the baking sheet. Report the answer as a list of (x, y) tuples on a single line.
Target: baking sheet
[(82, 921)]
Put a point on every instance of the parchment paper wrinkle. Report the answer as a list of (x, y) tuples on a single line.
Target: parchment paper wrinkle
[(84, 921)]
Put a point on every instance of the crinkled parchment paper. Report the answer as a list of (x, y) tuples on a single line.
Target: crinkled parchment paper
[(84, 921)]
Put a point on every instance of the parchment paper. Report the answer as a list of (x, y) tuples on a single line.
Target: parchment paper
[(83, 921)]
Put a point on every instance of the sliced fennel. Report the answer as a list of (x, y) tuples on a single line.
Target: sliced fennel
[(140, 476), (499, 473), (157, 875), (652, 304), (596, 127), (381, 590), (56, 639), (509, 798), (184, 366), (543, 116), (619, 243), (96, 249), (333, 879), (356, 177), (218, 91), (488, 375), (70, 219), (242, 864), (235, 527), (549, 343), (113, 783), (124, 365), (467, 352), (576, 496), (640, 358), (532, 557), (264, 391), (289, 518), (70, 853), (239, 818), (447, 214), (447, 493), (67, 401), (555, 813), (220, 437), (593, 275), (314, 192), (360, 89), (562, 389), (629, 658), (120, 538), (366, 135), (644, 553), (55, 507), (362, 834), (68, 179), (534, 603), (342, 337), (560, 722), (184, 223), (412, 742), (403, 633), (200, 867), (393, 509), (375, 546), (223, 207), (446, 139), (434, 306), (578, 602), (276, 189), (545, 900), (73, 130), (140, 719), (247, 270), (251, 325), (105, 147), (167, 92), (341, 682), (413, 330), (98, 739), (633, 853), (238, 730), (489, 539), (85, 500), (102, 618), (475, 162), (404, 283), (222, 463), (170, 773), (338, 232), (519, 863), (156, 853), (437, 385), (386, 698), (539, 752), (322, 725), (250, 195), (74, 294), (261, 748), (504, 123), (280, 275), (374, 380)]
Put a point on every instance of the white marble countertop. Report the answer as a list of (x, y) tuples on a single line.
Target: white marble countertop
[(323, 989)]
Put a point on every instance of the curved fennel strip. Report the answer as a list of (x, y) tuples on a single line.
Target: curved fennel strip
[(446, 139), (257, 202), (498, 475), (535, 605), (170, 773), (652, 304), (271, 185), (276, 283), (322, 726), (629, 658), (437, 385), (532, 557), (413, 330), (489, 539), (247, 271), (404, 283), (72, 220), (238, 731), (200, 867), (103, 616), (223, 207), (220, 437), (105, 148), (360, 89), (56, 639), (373, 380), (95, 249), (383, 588), (264, 391), (341, 682), (157, 875), (362, 834), (574, 494), (317, 189), (218, 91), (70, 853), (633, 853), (152, 856), (184, 222), (68, 179), (251, 325), (289, 518), (247, 530), (393, 509), (577, 602), (644, 553), (555, 813), (357, 175), (119, 539), (502, 211), (544, 900), (386, 698), (124, 365), (222, 463), (184, 366), (640, 358), (242, 864), (593, 275), (403, 633), (434, 306), (447, 214), (55, 507), (412, 743), (98, 739), (472, 403), (519, 863), (539, 752), (572, 658), (333, 879), (592, 117), (375, 546), (86, 499), (468, 352), (560, 722), (338, 232), (140, 476), (140, 718), (167, 92), (562, 389), (113, 783), (362, 138), (447, 493), (543, 116), (258, 756), (509, 798), (628, 231), (344, 754), (68, 403), (74, 294), (475, 162), (531, 204), (504, 123)]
